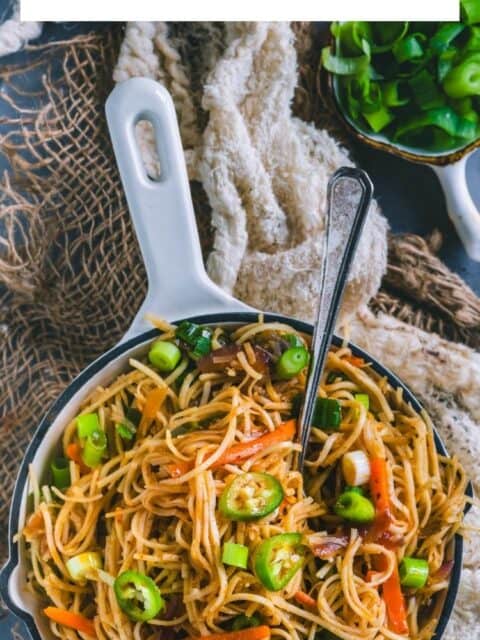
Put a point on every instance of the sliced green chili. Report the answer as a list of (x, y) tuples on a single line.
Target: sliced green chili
[(250, 496), (278, 559), (138, 596)]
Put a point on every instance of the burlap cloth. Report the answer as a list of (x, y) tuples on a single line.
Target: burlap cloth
[(259, 158)]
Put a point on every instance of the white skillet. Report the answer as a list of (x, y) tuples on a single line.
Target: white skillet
[(179, 288)]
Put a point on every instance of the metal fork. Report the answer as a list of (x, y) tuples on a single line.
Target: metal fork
[(335, 269)]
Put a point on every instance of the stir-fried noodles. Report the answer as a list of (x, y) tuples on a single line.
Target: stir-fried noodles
[(180, 513)]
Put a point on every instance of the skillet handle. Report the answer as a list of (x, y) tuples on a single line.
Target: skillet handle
[(460, 205), (161, 210)]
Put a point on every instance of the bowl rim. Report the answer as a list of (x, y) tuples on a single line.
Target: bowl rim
[(115, 352)]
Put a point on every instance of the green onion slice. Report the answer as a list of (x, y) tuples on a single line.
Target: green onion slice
[(60, 468), (344, 66), (327, 414), (413, 572), (235, 555), (471, 11), (94, 449), (87, 423)]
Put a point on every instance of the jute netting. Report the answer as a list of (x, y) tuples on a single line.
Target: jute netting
[(71, 277)]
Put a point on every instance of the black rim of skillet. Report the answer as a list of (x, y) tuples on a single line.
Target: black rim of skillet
[(112, 354)]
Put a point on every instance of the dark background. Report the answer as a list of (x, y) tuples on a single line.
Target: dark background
[(410, 196)]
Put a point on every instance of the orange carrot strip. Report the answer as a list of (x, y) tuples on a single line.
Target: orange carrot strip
[(74, 452), (355, 361), (394, 600), (238, 452), (379, 485), (71, 620), (371, 575), (303, 598), (153, 402), (177, 469), (253, 633)]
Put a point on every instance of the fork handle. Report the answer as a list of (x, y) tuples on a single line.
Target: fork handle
[(338, 254)]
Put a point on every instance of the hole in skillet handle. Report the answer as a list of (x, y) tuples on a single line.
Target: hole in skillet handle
[(146, 141)]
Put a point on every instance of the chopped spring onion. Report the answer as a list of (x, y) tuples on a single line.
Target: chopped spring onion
[(128, 427), (413, 572), (379, 119), (164, 355), (444, 118), (245, 622), (87, 423), (94, 449), (85, 563), (60, 468), (364, 399), (291, 362), (327, 414), (464, 79), (293, 340), (344, 66), (235, 555), (408, 49), (402, 80), (356, 468), (471, 11), (125, 431), (355, 508), (445, 35), (425, 90), (198, 338)]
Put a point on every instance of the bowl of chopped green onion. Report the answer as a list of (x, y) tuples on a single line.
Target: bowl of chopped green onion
[(413, 89)]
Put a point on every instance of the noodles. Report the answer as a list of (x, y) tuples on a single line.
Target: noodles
[(152, 505)]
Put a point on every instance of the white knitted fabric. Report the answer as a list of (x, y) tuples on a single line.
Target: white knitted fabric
[(14, 34), (265, 175)]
